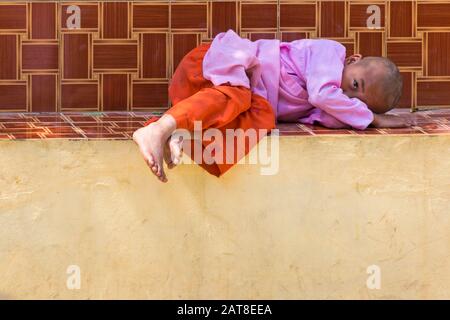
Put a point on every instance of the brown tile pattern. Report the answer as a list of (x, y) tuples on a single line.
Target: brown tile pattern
[(142, 42), (121, 125)]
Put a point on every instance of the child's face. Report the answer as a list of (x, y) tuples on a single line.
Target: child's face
[(362, 81)]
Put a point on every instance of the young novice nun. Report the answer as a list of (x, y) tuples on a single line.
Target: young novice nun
[(235, 83)]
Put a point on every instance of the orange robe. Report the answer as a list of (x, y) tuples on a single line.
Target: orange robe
[(222, 107)]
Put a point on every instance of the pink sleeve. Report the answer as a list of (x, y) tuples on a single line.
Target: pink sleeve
[(324, 119), (324, 66), (229, 59)]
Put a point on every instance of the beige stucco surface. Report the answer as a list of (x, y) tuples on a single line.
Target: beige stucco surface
[(336, 206)]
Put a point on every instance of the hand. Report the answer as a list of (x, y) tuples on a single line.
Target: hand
[(393, 121)]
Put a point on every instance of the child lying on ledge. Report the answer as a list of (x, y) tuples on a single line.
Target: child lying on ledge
[(234, 83)]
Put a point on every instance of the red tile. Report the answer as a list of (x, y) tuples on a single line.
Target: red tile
[(401, 18), (154, 55), (43, 93), (51, 124), (8, 57), (83, 124), (50, 118), (433, 126), (77, 118), (405, 54), (371, 43), (15, 125), (40, 56), (79, 96), (259, 16), (297, 15), (188, 16), (106, 136), (97, 130), (369, 131), (295, 133), (43, 18), (437, 131), (444, 114), (115, 91), (437, 51), (182, 44), (124, 130), (150, 96), (402, 131), (288, 127), (76, 55), (332, 131), (115, 56), (314, 127), (332, 22), (13, 16), (128, 124), (265, 35), (433, 15), (224, 17), (292, 36), (433, 93), (406, 99), (28, 135), (119, 120), (23, 130), (62, 130), (150, 16), (119, 114), (13, 97), (12, 118), (115, 20), (64, 136), (349, 48)]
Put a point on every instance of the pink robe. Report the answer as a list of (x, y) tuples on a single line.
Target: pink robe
[(301, 79)]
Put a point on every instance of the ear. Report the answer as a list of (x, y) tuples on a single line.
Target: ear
[(353, 58)]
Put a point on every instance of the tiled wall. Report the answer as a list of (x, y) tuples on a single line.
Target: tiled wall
[(124, 54)]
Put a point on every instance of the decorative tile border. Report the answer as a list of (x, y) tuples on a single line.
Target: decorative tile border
[(121, 125)]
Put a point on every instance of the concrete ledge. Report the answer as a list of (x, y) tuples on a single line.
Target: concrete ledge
[(338, 205)]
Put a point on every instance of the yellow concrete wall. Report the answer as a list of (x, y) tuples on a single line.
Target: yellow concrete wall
[(337, 206)]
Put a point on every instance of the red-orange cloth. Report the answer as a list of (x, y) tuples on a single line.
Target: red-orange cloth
[(222, 107)]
